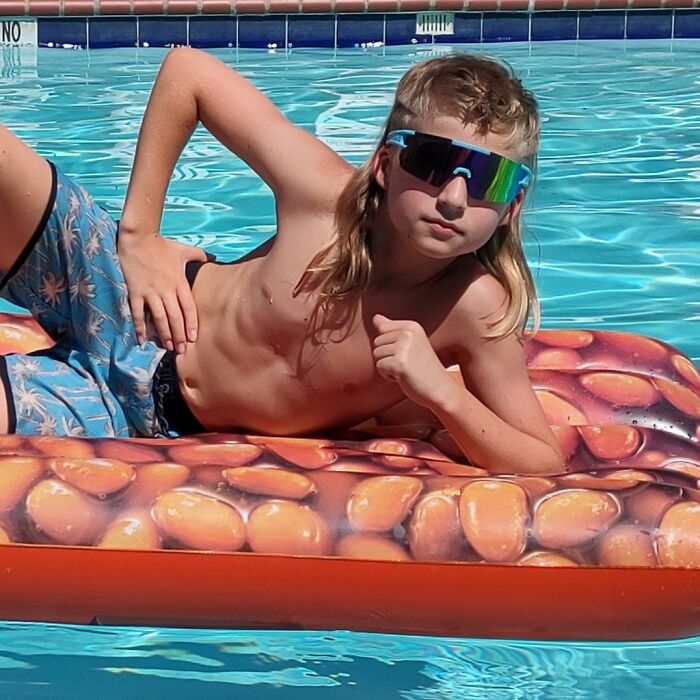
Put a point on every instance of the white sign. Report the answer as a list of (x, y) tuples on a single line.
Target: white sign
[(18, 47), (435, 23), (18, 32)]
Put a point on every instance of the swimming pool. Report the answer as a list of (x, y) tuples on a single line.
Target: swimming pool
[(612, 246), (616, 207)]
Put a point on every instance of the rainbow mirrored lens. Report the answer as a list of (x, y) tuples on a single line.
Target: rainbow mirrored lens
[(490, 177)]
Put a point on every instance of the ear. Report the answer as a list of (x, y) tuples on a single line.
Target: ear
[(513, 210), (381, 166)]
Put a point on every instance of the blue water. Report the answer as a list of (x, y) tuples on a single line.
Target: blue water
[(81, 663), (615, 215), (613, 229)]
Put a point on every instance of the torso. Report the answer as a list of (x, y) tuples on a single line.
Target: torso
[(256, 365)]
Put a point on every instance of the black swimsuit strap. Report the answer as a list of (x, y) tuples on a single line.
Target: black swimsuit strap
[(192, 268), (171, 410)]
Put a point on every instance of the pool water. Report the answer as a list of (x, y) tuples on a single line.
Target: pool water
[(84, 663), (612, 240), (614, 221)]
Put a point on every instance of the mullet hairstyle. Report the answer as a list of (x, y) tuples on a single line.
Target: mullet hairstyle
[(480, 92)]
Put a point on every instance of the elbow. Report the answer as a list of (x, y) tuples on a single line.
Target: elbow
[(179, 82), (548, 461), (552, 467), (182, 65), (555, 463), (181, 55), (176, 68)]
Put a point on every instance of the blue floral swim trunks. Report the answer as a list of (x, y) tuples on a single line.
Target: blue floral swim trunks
[(96, 380)]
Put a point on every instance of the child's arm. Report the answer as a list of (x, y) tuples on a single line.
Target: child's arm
[(497, 421), (194, 87)]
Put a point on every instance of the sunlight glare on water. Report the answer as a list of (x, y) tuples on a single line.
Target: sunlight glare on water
[(613, 241), (613, 226)]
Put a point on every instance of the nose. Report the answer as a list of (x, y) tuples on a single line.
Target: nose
[(452, 198)]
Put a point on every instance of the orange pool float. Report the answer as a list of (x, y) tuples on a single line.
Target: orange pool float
[(383, 528)]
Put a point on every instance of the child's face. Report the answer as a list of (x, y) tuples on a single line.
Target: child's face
[(442, 222)]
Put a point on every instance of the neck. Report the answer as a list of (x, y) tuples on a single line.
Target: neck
[(395, 261)]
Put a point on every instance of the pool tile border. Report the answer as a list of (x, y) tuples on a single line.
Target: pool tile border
[(87, 8), (278, 24)]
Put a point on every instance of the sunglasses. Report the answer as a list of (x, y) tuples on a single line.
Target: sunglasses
[(433, 159)]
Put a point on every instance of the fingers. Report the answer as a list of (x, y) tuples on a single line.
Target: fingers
[(381, 351), (398, 347), (160, 320), (380, 322), (189, 312), (198, 254), (174, 318), (139, 317), (393, 340), (385, 369), (159, 289), (387, 338), (388, 354), (186, 298), (176, 322), (188, 253)]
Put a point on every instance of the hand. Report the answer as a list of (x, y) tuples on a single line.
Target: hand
[(154, 270), (403, 354)]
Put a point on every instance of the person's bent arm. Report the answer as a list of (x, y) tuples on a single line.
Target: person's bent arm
[(507, 434), (494, 417), (194, 87)]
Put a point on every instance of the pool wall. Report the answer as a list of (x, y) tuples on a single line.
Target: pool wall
[(279, 24)]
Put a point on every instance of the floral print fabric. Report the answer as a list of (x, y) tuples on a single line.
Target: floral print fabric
[(96, 380)]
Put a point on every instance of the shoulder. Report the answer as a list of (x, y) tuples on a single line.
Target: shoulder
[(468, 333), (482, 301)]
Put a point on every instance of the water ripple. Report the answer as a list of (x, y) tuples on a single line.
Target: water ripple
[(612, 233), (616, 206), (337, 664)]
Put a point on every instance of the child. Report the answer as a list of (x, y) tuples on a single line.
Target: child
[(378, 277)]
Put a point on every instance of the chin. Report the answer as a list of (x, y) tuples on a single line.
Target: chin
[(437, 250)]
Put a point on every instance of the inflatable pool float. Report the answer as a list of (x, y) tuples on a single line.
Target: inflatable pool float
[(383, 528)]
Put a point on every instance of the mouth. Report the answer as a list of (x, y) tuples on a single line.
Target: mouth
[(442, 229)]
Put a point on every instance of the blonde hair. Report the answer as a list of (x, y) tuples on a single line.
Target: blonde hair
[(480, 92)]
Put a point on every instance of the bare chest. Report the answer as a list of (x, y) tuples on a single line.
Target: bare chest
[(313, 344), (318, 344)]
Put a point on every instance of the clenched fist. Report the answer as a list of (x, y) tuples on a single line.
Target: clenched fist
[(403, 354)]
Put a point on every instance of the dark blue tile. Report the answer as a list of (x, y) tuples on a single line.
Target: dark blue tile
[(687, 25), (649, 24), (311, 30), (600, 24), (355, 30), (62, 31), (163, 31), (506, 26), (207, 32), (547, 26), (259, 32), (110, 32), (401, 29), (467, 30)]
